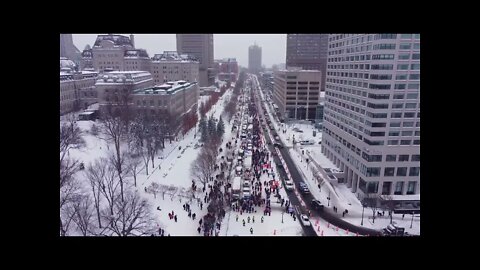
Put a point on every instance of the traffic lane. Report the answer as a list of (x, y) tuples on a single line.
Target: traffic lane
[(308, 230)]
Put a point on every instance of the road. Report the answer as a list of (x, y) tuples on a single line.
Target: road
[(295, 202), (327, 214)]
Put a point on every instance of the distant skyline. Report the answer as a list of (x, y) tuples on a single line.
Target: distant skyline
[(225, 45)]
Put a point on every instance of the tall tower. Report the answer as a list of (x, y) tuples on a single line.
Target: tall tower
[(254, 58), (68, 50), (372, 112), (200, 46), (132, 38), (308, 51)]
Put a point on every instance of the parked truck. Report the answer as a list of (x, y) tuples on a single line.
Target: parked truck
[(236, 187), (248, 163)]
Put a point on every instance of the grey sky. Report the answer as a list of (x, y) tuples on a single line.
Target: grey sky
[(225, 45)]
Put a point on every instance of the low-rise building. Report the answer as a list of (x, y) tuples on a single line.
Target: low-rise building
[(77, 90), (296, 93), (171, 66)]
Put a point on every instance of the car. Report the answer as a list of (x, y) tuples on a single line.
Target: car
[(289, 184), (307, 142), (303, 188), (317, 205), (278, 145), (305, 220)]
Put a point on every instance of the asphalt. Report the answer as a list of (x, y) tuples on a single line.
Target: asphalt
[(327, 214)]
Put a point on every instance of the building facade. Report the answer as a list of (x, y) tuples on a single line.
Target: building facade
[(112, 86), (371, 127), (297, 93), (201, 47), (175, 98), (108, 52), (254, 58), (137, 59), (308, 51), (227, 69), (171, 66), (77, 90)]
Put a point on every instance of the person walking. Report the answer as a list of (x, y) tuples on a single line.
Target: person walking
[(248, 219), (193, 216), (251, 230), (237, 218), (253, 219), (243, 223), (261, 219), (175, 218), (199, 229)]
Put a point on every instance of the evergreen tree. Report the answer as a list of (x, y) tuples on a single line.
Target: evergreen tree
[(211, 127), (220, 127), (203, 129)]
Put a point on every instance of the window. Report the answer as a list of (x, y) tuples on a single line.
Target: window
[(386, 188), (396, 115), (406, 36), (415, 67), (372, 187), (411, 187), (414, 171), (399, 188), (416, 142), (391, 158), (416, 46), (407, 133), (410, 105), (394, 133), (401, 77), (373, 171), (415, 157), (413, 86), (417, 133), (412, 95), (394, 124), (404, 56), (389, 171), (392, 142), (397, 105), (402, 171), (398, 96), (414, 77), (407, 124), (405, 46), (403, 158), (405, 142), (409, 115), (402, 67)]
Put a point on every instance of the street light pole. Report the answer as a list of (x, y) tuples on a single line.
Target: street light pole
[(363, 209), (329, 193), (282, 216), (411, 224)]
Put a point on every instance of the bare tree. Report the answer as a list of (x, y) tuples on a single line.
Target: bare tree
[(154, 188), (132, 217), (163, 189), (202, 168), (70, 138), (114, 130), (83, 216), (133, 168), (173, 190), (69, 192), (371, 199), (109, 185), (96, 174), (389, 204)]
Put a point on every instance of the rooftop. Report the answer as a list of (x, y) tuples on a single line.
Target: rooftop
[(165, 89), (118, 40)]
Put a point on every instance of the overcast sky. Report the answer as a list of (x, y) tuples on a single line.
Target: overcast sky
[(225, 45)]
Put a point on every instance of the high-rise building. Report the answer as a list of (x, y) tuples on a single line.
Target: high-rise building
[(68, 49), (296, 93), (308, 51), (254, 58), (108, 52), (227, 69), (372, 113), (200, 46)]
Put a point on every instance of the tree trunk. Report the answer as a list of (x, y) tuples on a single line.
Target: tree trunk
[(135, 178), (119, 167)]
